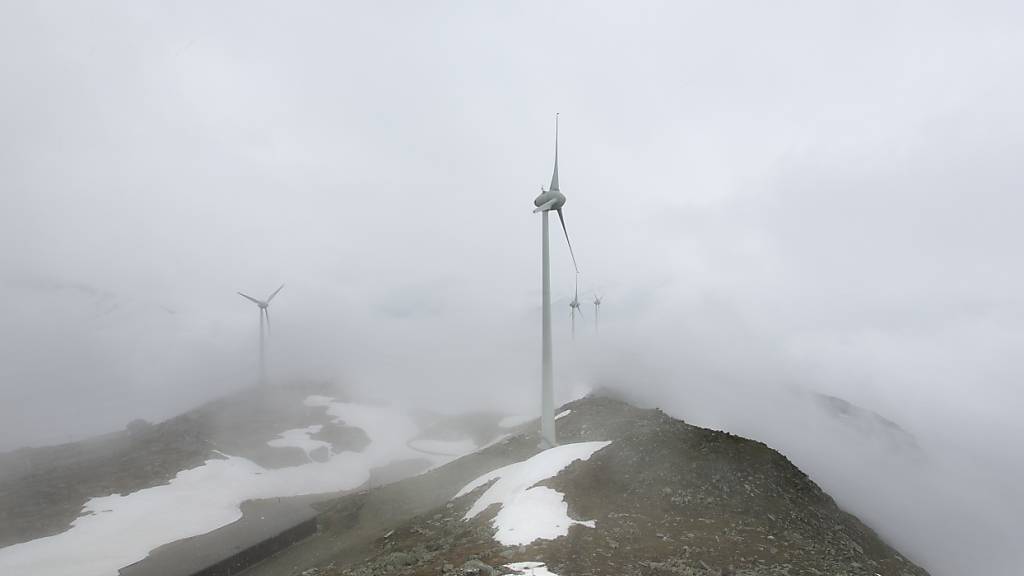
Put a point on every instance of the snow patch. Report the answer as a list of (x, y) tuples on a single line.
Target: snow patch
[(529, 512), (300, 438), (115, 531), (563, 413), (391, 431), (530, 569)]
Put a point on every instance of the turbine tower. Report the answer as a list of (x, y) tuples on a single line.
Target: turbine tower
[(264, 306), (597, 311), (574, 307), (550, 199)]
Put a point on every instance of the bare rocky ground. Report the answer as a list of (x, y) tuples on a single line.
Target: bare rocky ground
[(668, 498), (42, 490)]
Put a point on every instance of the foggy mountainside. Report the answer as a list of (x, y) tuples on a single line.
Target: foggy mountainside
[(549, 288), (664, 498), (661, 496), (44, 489)]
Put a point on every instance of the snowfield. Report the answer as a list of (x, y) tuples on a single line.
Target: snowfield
[(529, 512), (115, 531), (299, 438), (392, 433), (530, 569)]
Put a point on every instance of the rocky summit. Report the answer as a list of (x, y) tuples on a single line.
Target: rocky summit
[(653, 495)]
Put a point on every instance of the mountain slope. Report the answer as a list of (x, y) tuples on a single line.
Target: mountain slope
[(663, 497), (43, 489), (95, 507)]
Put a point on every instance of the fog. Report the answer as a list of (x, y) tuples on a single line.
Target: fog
[(773, 199)]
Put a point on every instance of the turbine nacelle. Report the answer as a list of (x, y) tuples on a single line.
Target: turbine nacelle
[(549, 200), (553, 200)]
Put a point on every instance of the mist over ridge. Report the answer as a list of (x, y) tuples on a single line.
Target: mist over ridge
[(775, 203)]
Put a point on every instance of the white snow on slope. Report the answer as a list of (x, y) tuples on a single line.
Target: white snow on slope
[(530, 569), (530, 512), (117, 530), (391, 431), (300, 438)]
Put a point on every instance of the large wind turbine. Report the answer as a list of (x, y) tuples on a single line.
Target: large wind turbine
[(550, 199), (264, 306), (574, 307), (597, 312)]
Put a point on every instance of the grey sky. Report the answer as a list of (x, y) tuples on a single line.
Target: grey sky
[(813, 194)]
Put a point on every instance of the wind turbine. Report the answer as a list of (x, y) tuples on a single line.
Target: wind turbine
[(597, 311), (550, 199), (264, 306), (574, 307)]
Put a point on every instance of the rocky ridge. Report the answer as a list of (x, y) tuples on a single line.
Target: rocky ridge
[(666, 498)]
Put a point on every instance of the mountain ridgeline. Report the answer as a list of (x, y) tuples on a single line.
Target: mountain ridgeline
[(664, 497)]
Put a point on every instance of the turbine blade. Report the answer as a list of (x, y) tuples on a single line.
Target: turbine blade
[(562, 219), (250, 298), (275, 293), (266, 312), (554, 175)]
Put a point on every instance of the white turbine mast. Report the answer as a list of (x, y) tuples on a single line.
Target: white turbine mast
[(264, 306), (550, 199)]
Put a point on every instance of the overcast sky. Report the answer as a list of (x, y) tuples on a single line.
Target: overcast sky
[(769, 195)]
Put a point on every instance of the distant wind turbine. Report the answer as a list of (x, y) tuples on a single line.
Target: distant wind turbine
[(550, 199), (574, 307), (264, 306), (597, 312)]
